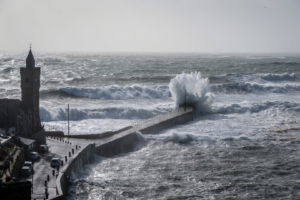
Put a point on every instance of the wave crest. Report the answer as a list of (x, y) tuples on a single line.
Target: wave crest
[(54, 59), (279, 77), (115, 92), (61, 114), (252, 87), (245, 107)]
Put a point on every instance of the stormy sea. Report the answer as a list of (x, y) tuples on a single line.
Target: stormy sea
[(244, 142)]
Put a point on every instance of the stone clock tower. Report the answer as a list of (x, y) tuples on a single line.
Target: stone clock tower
[(30, 85)]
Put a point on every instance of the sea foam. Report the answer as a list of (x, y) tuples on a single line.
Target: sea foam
[(196, 90), (116, 92), (130, 113)]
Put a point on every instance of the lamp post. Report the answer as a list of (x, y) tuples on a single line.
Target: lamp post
[(27, 119), (6, 131), (32, 177), (68, 122), (185, 100)]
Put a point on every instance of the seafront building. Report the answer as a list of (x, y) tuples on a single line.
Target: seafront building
[(21, 132), (21, 117)]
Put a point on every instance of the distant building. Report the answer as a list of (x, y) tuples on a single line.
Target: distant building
[(23, 114)]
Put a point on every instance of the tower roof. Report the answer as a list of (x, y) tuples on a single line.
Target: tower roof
[(30, 62)]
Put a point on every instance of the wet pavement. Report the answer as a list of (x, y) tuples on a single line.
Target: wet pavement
[(42, 169)]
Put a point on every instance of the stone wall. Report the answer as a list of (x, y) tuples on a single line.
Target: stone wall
[(168, 123), (59, 197), (74, 165), (127, 141), (87, 136), (54, 133), (121, 145)]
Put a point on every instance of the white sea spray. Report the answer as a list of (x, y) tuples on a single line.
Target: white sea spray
[(196, 90)]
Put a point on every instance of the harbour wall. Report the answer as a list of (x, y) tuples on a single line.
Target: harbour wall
[(168, 123), (89, 136), (123, 144), (74, 165), (125, 141)]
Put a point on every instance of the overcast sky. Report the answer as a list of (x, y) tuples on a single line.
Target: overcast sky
[(209, 26)]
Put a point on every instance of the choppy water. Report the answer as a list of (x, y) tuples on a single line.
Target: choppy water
[(243, 145)]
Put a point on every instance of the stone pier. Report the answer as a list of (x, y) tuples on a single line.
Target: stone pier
[(85, 147)]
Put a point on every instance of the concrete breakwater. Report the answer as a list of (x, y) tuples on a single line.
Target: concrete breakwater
[(123, 141), (88, 136)]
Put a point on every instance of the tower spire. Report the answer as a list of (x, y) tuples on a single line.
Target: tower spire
[(30, 62), (30, 85)]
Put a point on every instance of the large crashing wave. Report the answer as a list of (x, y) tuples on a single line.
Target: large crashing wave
[(196, 89), (115, 92)]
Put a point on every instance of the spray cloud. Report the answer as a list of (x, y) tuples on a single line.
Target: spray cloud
[(195, 87)]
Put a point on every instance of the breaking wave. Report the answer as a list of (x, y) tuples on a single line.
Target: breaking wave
[(253, 87), (61, 114), (115, 92), (196, 90), (245, 107), (6, 59), (8, 70), (257, 83), (279, 77), (54, 59), (54, 93), (288, 63), (257, 77)]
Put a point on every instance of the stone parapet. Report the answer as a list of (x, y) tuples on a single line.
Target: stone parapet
[(86, 136), (73, 165)]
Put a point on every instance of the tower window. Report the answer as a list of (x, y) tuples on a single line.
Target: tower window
[(36, 80)]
